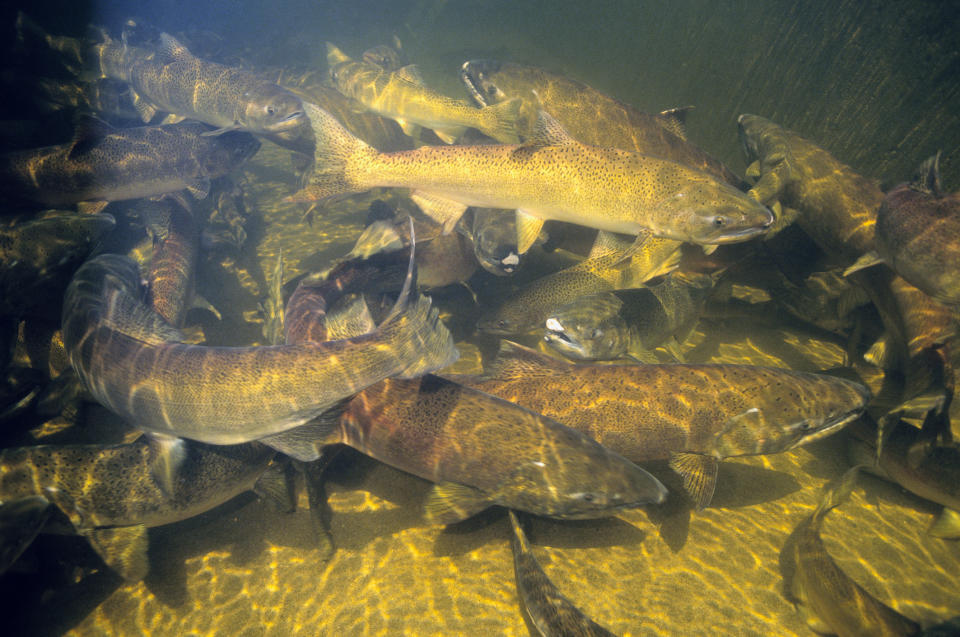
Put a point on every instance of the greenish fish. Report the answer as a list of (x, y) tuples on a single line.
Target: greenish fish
[(610, 325), (550, 613), (551, 176), (587, 114), (39, 254), (112, 494), (834, 603), (837, 207), (107, 164), (167, 77), (917, 227), (693, 415), (401, 95), (612, 264), (127, 357)]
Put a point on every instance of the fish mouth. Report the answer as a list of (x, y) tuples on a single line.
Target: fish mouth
[(829, 428), (471, 73), (290, 122), (736, 236)]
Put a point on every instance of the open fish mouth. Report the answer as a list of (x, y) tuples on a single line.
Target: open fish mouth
[(292, 120), (466, 76)]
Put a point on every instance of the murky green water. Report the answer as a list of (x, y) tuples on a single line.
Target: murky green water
[(875, 83)]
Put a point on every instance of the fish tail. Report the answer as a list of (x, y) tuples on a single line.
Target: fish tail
[(502, 121), (336, 149), (422, 340), (838, 493)]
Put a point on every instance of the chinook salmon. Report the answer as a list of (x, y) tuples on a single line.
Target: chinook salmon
[(479, 450), (168, 78), (401, 95), (111, 494), (834, 603), (611, 265), (589, 116), (633, 322), (549, 611), (919, 463), (38, 256), (837, 207), (107, 164), (129, 360), (549, 177), (917, 229), (693, 415)]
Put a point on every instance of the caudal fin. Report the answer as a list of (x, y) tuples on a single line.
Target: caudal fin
[(502, 121), (423, 341), (336, 147)]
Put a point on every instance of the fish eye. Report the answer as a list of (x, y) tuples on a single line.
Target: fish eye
[(596, 333), (719, 221), (271, 110)]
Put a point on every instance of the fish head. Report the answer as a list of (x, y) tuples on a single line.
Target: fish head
[(495, 246), (705, 211), (752, 131), (577, 478), (272, 109), (228, 151), (476, 75), (384, 56), (820, 406), (589, 328)]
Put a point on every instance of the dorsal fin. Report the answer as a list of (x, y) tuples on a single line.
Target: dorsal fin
[(515, 361), (335, 55), (609, 243), (411, 73), (927, 178), (171, 48), (547, 131), (90, 131), (675, 120)]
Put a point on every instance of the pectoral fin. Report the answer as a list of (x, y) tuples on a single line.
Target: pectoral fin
[(306, 442), (409, 128), (450, 502), (276, 485), (753, 170), (868, 260), (444, 211), (947, 525), (699, 474), (169, 454), (528, 229), (449, 135), (221, 131), (146, 110), (199, 188), (123, 549)]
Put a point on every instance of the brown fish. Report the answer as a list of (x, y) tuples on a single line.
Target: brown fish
[(694, 415), (835, 603)]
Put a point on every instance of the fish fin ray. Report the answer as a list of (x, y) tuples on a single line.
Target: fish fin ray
[(169, 455), (449, 134), (199, 188), (220, 131), (927, 178), (516, 361), (306, 442), (450, 502), (699, 473), (547, 131), (335, 147), (446, 212), (946, 525), (504, 116), (276, 485), (123, 549), (868, 260), (675, 120), (528, 229)]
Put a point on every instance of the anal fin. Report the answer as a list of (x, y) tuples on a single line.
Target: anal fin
[(123, 549), (699, 473)]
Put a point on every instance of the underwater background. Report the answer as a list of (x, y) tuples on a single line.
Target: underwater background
[(875, 83)]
